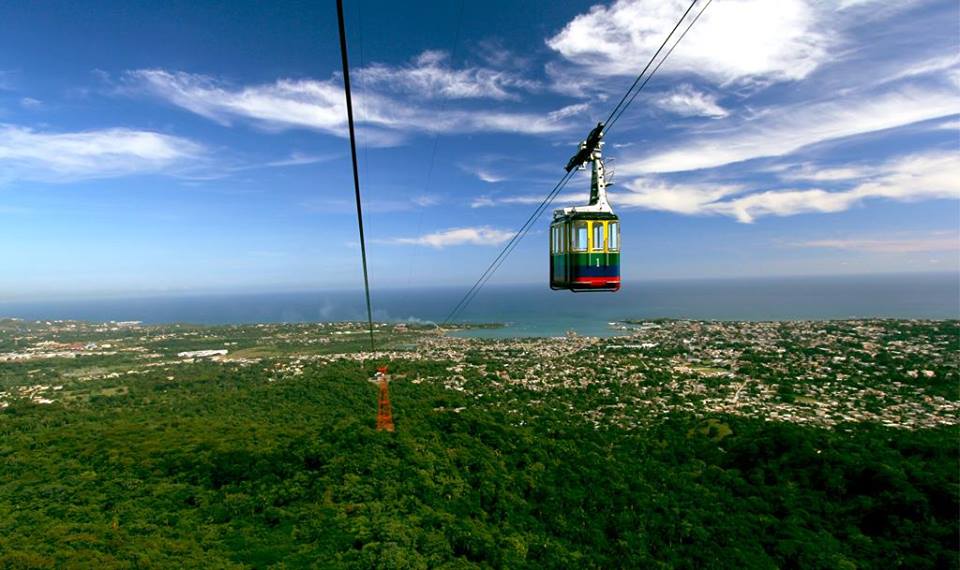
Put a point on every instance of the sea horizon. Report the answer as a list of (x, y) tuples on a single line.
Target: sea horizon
[(534, 310)]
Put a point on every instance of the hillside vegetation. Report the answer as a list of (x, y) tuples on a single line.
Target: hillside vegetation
[(217, 466)]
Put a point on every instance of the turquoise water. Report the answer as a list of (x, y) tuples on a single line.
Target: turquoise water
[(538, 311)]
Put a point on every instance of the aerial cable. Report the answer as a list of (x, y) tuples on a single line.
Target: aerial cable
[(436, 137), (520, 235), (624, 102), (610, 121), (649, 63), (507, 248), (353, 156), (361, 109)]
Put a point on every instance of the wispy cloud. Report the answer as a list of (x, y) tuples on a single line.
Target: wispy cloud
[(814, 173), (927, 176), (782, 130), (31, 103), (26, 154), (489, 177), (687, 101), (424, 200), (229, 166), (484, 173), (370, 205), (482, 202), (301, 159), (931, 243), (953, 125), (735, 40), (304, 103), (430, 75), (926, 66), (693, 199), (561, 199), (482, 235), (319, 105)]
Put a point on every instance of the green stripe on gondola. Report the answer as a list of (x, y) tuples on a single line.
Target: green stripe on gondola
[(577, 258)]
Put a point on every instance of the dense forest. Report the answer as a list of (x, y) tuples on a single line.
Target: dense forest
[(217, 467)]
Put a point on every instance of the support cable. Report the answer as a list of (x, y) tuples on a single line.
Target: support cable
[(513, 246), (649, 63), (436, 137), (611, 120), (617, 112), (507, 248), (353, 155)]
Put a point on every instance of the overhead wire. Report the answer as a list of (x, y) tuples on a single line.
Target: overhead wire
[(520, 235), (362, 141), (649, 63), (361, 109), (615, 115), (436, 137), (612, 120), (353, 155), (465, 300)]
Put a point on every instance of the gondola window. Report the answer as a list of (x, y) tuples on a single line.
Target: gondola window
[(581, 237), (597, 236)]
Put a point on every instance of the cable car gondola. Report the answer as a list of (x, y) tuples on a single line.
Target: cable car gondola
[(585, 240)]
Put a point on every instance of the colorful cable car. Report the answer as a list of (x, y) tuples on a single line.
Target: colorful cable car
[(585, 240)]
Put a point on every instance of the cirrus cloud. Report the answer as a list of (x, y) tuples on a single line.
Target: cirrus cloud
[(482, 235), (430, 75), (320, 105), (928, 176), (784, 129), (27, 154), (933, 242), (689, 102)]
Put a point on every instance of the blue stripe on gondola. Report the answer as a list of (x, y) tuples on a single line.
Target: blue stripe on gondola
[(594, 271)]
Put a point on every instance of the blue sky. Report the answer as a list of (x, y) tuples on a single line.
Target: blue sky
[(194, 146)]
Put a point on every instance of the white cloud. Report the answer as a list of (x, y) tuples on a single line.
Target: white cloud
[(871, 8), (748, 208), (689, 102), (734, 40), (482, 202), (300, 159), (560, 199), (927, 66), (483, 235), (26, 154), (810, 172), (30, 103), (423, 201), (370, 205), (782, 130), (302, 103), (483, 173), (934, 242), (431, 76), (953, 125), (313, 104), (907, 179), (489, 177), (678, 198)]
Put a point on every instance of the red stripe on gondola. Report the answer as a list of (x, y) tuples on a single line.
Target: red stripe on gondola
[(597, 280)]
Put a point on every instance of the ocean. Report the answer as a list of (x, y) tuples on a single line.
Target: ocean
[(529, 310)]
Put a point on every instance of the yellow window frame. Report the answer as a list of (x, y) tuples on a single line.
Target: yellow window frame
[(591, 233)]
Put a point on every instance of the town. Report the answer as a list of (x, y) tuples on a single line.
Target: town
[(898, 373)]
